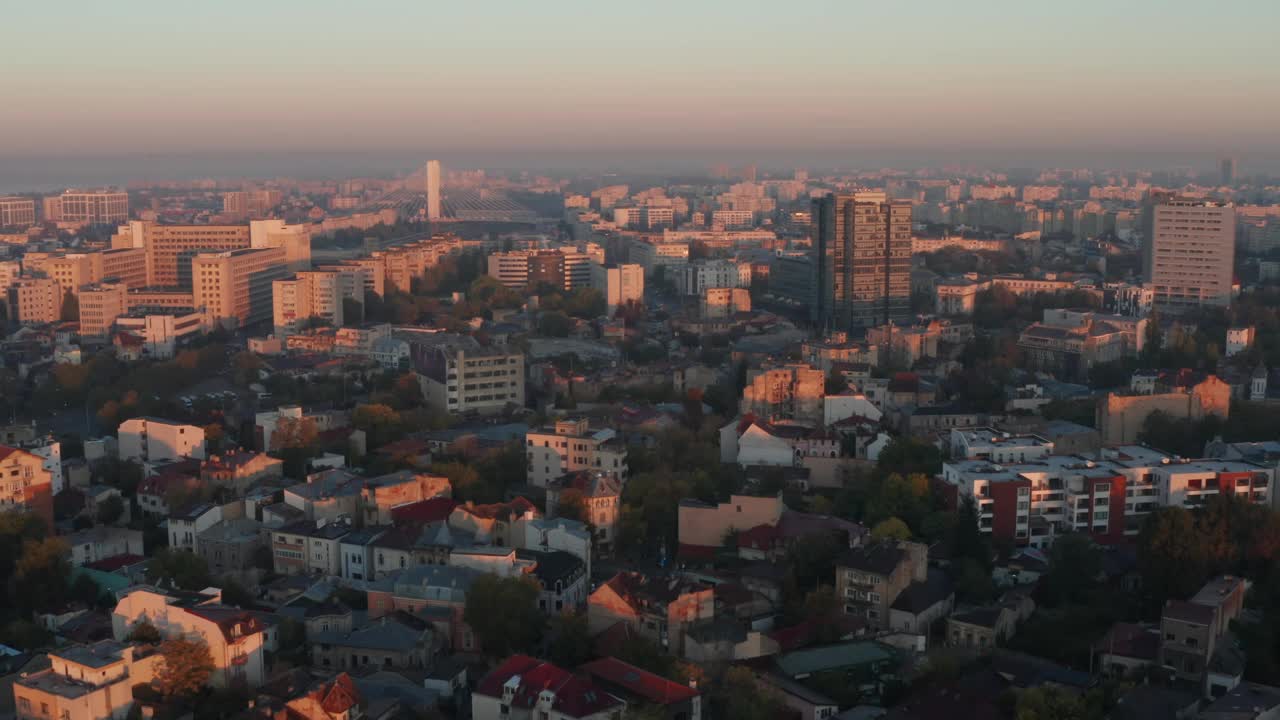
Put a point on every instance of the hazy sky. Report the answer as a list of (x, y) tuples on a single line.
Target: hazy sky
[(82, 76)]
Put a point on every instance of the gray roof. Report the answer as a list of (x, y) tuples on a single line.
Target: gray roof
[(1250, 698), (832, 657), (429, 582), (384, 635)]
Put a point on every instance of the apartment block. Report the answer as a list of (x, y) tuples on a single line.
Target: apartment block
[(862, 254), (570, 446), (153, 439), (295, 239), (694, 278), (314, 294), (459, 375), (620, 284), (1189, 255), (100, 305), (93, 206), (792, 391), (235, 287), (39, 300), (171, 249), (870, 578), (17, 212)]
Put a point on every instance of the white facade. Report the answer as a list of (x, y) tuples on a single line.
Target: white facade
[(1190, 257), (620, 284), (151, 439), (840, 407)]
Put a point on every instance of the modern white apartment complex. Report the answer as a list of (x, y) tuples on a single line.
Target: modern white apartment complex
[(1190, 254)]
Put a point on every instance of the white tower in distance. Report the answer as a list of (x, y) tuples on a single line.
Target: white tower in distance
[(433, 189)]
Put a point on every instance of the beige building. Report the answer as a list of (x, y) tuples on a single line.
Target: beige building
[(620, 284), (459, 375), (870, 578), (170, 248), (295, 239), (25, 483), (705, 525), (1120, 417), (100, 305), (234, 287), (39, 300), (93, 206), (313, 294), (17, 212), (86, 682), (723, 302), (234, 636), (1189, 257), (152, 439), (571, 446)]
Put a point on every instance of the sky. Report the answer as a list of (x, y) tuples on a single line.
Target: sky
[(84, 78)]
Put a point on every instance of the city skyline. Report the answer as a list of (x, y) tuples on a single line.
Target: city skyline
[(577, 78)]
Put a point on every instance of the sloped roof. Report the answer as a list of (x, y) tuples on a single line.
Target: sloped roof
[(575, 695), (654, 689)]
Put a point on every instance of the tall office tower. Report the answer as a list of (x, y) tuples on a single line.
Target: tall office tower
[(39, 300), (100, 305), (313, 294), (1228, 168), (433, 189), (862, 256), (234, 286), (295, 239), (94, 206), (1189, 254), (17, 212)]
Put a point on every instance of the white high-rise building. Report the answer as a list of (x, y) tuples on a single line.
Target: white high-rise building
[(433, 190)]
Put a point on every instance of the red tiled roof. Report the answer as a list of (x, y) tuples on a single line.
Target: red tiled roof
[(760, 537), (575, 696), (641, 683), (6, 451), (339, 697), (515, 508), (423, 512), (227, 618), (115, 562)]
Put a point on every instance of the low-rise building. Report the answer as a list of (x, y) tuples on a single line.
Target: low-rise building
[(870, 578), (525, 688), (86, 682), (661, 609), (150, 439), (571, 446)]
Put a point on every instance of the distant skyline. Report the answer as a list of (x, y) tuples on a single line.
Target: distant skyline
[(1167, 80)]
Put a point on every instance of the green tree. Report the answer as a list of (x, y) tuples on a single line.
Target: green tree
[(907, 456), (554, 324), (739, 696), (110, 510), (380, 423), (572, 505), (1053, 703), (1075, 562), (70, 311), (503, 613), (570, 644), (144, 632), (1172, 560), (185, 667), (39, 581), (180, 568), (891, 529)]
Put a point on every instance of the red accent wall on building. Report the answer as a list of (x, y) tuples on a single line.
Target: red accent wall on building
[(1004, 522), (1115, 508)]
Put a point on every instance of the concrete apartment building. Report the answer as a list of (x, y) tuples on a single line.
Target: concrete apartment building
[(870, 578), (150, 439), (1191, 630), (86, 682), (570, 446), (459, 375), (170, 249), (620, 284), (92, 207), (235, 287), (791, 391), (432, 173), (234, 636), (38, 300), (25, 483), (17, 212), (695, 278), (100, 305), (294, 239), (862, 254), (313, 294), (1189, 256)]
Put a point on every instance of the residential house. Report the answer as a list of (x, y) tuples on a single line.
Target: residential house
[(525, 688), (238, 470), (428, 588), (562, 579), (25, 483), (601, 494), (86, 682), (570, 446), (149, 439), (1192, 632), (642, 688), (231, 546), (396, 641), (659, 608), (379, 495), (327, 496), (870, 578), (234, 636), (101, 542)]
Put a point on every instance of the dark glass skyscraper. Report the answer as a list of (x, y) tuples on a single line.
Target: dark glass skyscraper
[(862, 258)]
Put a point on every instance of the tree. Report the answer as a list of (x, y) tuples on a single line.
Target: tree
[(233, 593), (110, 510), (570, 640), (554, 324), (1171, 557), (906, 456), (835, 383), (352, 312), (380, 423), (1075, 563), (891, 529), (572, 505), (503, 613), (144, 632), (70, 311), (1052, 703), (742, 698), (39, 580), (185, 667), (182, 569)]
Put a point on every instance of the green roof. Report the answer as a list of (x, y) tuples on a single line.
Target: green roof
[(832, 657)]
